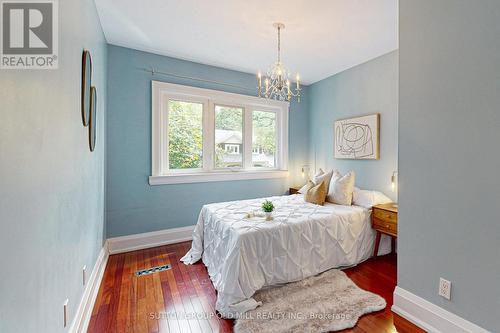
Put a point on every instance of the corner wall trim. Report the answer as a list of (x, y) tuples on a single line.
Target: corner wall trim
[(149, 239), (429, 316), (84, 311)]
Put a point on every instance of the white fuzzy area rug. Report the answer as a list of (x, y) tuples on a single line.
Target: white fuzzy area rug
[(326, 302)]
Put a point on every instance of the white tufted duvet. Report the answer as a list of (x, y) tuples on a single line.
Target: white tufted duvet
[(245, 254)]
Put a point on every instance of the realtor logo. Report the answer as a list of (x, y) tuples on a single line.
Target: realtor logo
[(29, 34)]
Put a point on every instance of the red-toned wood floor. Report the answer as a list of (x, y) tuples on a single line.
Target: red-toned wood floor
[(127, 303)]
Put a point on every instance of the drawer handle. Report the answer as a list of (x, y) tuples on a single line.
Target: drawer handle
[(387, 226)]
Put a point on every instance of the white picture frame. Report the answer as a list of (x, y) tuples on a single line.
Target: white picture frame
[(357, 138)]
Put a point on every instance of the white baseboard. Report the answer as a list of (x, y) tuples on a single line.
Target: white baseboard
[(84, 311), (429, 316), (149, 239)]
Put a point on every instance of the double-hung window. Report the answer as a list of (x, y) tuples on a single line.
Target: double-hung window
[(201, 135)]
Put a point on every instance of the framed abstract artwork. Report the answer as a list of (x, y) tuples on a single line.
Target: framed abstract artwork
[(357, 138)]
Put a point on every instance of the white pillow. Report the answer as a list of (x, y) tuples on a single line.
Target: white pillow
[(319, 173), (368, 199), (323, 177), (306, 187), (341, 189)]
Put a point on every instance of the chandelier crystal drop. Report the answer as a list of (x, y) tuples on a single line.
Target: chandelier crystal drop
[(276, 83)]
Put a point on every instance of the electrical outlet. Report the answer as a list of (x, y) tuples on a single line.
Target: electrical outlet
[(65, 312), (84, 274), (445, 288)]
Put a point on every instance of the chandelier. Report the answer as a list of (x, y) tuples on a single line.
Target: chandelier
[(277, 79)]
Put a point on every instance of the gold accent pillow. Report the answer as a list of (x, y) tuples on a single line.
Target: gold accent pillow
[(316, 194)]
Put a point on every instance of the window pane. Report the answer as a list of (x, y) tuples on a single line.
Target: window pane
[(228, 137), (185, 135), (264, 139)]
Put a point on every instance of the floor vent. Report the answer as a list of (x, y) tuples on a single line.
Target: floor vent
[(152, 270)]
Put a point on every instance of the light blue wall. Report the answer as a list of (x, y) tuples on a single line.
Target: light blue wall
[(51, 185), (369, 88), (133, 206), (449, 118)]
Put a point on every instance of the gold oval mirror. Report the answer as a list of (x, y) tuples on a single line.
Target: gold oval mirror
[(86, 82), (93, 118)]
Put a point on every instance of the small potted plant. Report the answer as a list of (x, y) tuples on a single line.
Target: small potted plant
[(268, 208)]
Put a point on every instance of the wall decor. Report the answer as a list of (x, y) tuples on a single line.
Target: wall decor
[(357, 138), (93, 118), (86, 83)]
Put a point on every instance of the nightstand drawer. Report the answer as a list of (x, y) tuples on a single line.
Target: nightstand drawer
[(385, 215), (387, 226)]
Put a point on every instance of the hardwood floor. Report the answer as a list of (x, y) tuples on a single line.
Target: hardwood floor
[(127, 303)]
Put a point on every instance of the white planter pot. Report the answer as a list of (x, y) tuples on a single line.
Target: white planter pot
[(269, 216)]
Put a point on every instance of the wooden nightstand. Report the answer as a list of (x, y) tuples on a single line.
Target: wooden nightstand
[(293, 190), (385, 221)]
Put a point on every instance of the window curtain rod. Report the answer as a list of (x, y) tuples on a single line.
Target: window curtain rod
[(154, 72)]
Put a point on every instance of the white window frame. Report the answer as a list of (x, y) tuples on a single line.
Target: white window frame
[(235, 151), (160, 174)]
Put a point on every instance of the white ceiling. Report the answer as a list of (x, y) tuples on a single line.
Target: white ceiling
[(321, 38)]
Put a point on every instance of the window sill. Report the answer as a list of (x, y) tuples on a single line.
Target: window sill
[(215, 177)]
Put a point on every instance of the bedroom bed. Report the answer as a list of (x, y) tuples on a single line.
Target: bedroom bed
[(246, 253)]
